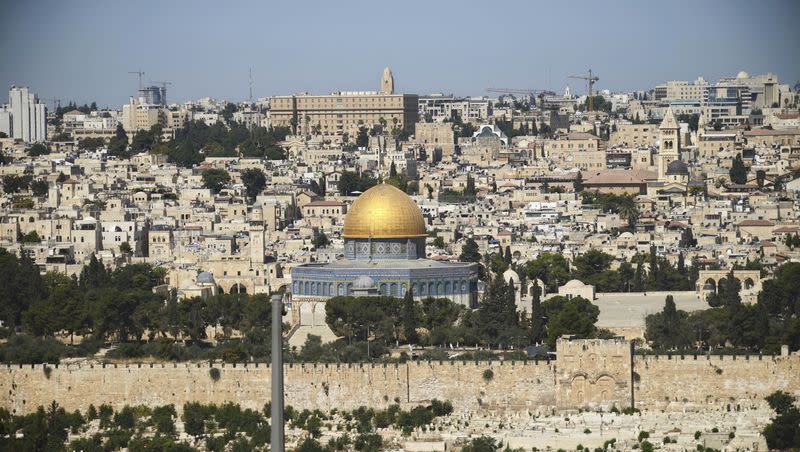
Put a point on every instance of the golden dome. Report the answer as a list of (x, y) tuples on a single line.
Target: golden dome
[(383, 212)]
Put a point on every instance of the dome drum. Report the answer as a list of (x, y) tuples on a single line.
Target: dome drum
[(399, 248)]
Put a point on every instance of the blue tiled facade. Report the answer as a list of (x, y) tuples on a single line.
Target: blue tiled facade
[(393, 267)]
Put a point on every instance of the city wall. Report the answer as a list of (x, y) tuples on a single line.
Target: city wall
[(724, 382), (588, 374)]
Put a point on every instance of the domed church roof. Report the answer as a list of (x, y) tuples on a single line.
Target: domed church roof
[(383, 211), (363, 282), (677, 167)]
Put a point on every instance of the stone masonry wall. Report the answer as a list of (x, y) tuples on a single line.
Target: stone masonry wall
[(590, 373), (513, 385), (713, 382)]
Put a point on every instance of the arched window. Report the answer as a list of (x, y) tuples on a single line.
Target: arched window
[(414, 289), (439, 288), (340, 289), (383, 289), (403, 289), (447, 288)]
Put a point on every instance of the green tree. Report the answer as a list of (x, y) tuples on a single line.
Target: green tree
[(727, 293), (320, 240), (215, 179), (783, 433), (39, 187), (482, 444), (254, 181), (537, 328), (471, 253), (194, 416), (576, 316), (362, 138), (15, 184), (738, 172), (410, 320), (22, 285), (668, 329), (469, 190), (551, 268), (497, 314), (38, 149), (351, 182), (118, 144)]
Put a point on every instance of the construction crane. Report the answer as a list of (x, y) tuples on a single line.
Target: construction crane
[(140, 74), (590, 79), (55, 102), (163, 90)]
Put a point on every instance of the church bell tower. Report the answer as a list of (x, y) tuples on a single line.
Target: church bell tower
[(669, 148)]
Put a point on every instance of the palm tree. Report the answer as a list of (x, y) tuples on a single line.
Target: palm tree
[(629, 211)]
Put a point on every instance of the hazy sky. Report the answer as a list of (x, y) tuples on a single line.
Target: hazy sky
[(82, 50)]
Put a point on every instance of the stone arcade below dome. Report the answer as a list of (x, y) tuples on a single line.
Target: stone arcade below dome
[(384, 247)]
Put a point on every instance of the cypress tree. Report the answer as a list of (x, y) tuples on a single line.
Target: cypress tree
[(409, 318), (537, 333)]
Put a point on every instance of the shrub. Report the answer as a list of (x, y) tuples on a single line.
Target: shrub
[(697, 434), (368, 442), (643, 435), (125, 418), (214, 373), (731, 435), (647, 447), (47, 371), (587, 431), (715, 430), (91, 413), (488, 374)]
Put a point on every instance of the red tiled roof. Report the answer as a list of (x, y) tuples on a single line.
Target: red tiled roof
[(755, 223), (325, 203)]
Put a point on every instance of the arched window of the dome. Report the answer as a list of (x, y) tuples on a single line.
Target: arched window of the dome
[(403, 289), (447, 288), (340, 289)]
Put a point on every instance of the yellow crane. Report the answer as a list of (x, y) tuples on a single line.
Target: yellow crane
[(590, 80)]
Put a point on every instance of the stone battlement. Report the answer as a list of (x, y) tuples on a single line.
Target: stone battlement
[(587, 374)]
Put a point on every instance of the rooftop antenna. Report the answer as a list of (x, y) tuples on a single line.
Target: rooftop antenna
[(141, 74), (251, 85)]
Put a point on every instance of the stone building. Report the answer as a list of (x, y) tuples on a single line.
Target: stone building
[(384, 242), (343, 112)]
